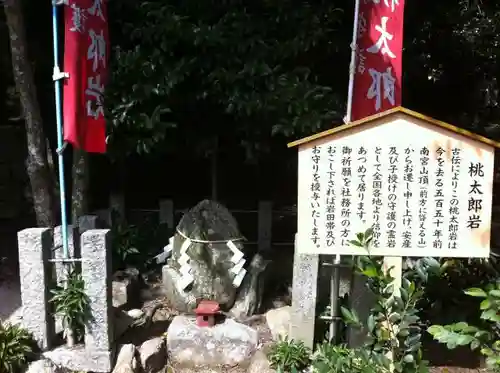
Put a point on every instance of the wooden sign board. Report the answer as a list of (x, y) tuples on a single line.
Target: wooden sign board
[(425, 187)]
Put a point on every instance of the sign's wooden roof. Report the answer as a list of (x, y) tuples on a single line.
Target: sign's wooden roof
[(393, 111)]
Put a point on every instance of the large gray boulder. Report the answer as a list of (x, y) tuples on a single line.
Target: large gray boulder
[(208, 226)]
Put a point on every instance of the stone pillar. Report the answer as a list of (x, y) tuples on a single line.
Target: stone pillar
[(304, 293), (96, 272), (35, 246), (87, 222), (104, 215), (117, 206), (167, 213), (265, 224)]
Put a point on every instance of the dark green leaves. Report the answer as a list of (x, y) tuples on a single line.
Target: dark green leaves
[(393, 326), (289, 355), (72, 303), (463, 334), (232, 66), (476, 292), (16, 346)]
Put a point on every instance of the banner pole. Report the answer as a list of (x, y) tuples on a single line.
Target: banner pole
[(335, 276), (57, 77), (352, 65)]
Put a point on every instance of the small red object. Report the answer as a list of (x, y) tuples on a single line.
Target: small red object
[(206, 312)]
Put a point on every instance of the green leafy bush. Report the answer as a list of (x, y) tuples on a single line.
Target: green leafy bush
[(16, 346), (393, 326), (289, 356), (136, 245), (485, 339), (73, 305), (445, 301), (124, 243), (330, 358)]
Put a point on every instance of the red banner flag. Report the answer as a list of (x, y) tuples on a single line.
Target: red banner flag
[(378, 61), (85, 60)]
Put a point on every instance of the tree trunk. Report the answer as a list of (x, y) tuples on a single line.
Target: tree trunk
[(79, 201), (42, 183), (51, 160)]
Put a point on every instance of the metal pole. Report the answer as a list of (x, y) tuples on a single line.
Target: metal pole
[(352, 66), (334, 299), (57, 76)]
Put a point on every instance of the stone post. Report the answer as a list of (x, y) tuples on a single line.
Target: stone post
[(265, 224), (167, 213), (117, 206), (87, 222), (96, 272), (35, 246), (304, 293)]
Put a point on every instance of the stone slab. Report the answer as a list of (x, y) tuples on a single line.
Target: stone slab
[(80, 359), (229, 343)]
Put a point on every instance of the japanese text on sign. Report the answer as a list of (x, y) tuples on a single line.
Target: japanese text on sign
[(417, 198)]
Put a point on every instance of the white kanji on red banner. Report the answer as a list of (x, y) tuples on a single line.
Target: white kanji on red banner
[(94, 94), (96, 9), (382, 87), (78, 19), (382, 44), (388, 3), (97, 49)]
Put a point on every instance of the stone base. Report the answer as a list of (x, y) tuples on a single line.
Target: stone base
[(122, 321), (226, 344), (79, 359)]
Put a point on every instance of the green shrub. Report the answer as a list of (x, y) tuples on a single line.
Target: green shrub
[(393, 327), (330, 358), (136, 245), (444, 300), (486, 339), (73, 305), (289, 356), (16, 346)]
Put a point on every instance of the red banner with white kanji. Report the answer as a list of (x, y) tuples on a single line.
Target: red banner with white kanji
[(86, 62), (378, 74)]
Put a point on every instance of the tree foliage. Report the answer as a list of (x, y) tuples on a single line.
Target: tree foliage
[(246, 68), (451, 62)]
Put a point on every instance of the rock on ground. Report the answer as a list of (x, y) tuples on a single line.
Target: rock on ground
[(126, 362), (43, 366), (153, 355), (126, 288), (135, 313), (260, 364), (229, 343), (278, 321)]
